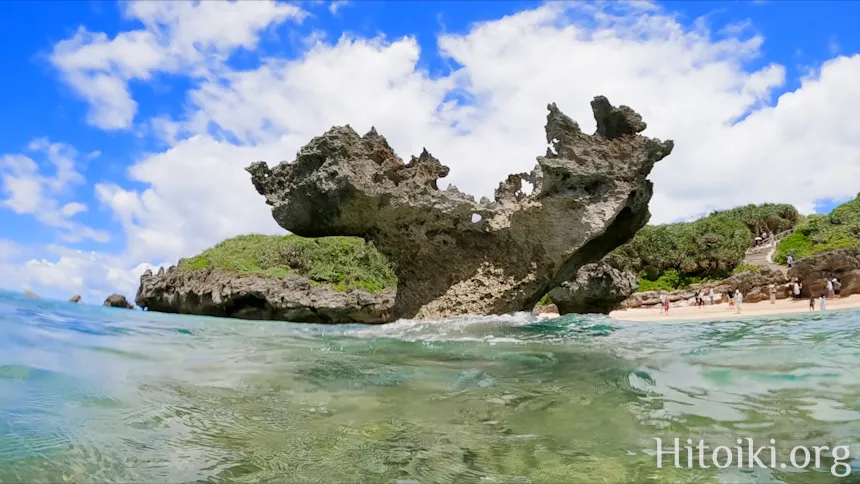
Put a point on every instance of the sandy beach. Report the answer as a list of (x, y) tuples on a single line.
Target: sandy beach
[(721, 311)]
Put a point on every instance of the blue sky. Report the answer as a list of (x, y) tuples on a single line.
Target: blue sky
[(41, 102)]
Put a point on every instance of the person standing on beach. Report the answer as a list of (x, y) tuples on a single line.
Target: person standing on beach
[(837, 287), (772, 289), (796, 290), (823, 303), (731, 299), (666, 306), (711, 295), (829, 293), (662, 303), (739, 300), (811, 303)]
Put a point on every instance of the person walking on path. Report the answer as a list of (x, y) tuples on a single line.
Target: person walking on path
[(739, 300), (711, 295), (829, 293), (772, 289), (790, 260)]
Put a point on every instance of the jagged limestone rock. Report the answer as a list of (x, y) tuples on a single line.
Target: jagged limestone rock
[(214, 292), (590, 195), (118, 301), (814, 271), (597, 288)]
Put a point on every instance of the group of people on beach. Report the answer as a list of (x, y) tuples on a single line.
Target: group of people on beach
[(735, 298), (832, 290)]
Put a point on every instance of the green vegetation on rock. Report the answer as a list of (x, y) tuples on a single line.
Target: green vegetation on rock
[(840, 229), (670, 256), (771, 217), (343, 262)]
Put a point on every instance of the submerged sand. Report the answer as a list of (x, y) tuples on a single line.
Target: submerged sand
[(722, 311)]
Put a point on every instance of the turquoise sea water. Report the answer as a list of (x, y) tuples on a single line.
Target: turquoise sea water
[(92, 394)]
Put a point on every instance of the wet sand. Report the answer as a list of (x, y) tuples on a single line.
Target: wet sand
[(721, 311)]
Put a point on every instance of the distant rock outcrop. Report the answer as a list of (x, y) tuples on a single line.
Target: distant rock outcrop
[(118, 301), (75, 299), (813, 271), (30, 293), (453, 255), (597, 288), (214, 292)]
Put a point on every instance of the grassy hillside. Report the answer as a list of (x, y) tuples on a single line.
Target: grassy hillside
[(839, 229), (676, 255), (343, 262)]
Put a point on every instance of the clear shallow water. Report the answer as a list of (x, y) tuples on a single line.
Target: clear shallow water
[(91, 394)]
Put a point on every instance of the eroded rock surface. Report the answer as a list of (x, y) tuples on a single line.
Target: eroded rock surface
[(813, 271), (597, 288), (118, 301), (590, 195), (220, 293), (75, 299)]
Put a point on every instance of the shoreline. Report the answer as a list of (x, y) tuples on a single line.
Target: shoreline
[(721, 311)]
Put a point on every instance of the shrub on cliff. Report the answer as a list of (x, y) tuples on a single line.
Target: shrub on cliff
[(675, 255), (840, 229), (343, 262)]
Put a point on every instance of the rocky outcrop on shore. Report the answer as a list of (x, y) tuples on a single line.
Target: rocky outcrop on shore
[(214, 292), (118, 301), (755, 285), (31, 294), (75, 299), (597, 288), (453, 255), (814, 271)]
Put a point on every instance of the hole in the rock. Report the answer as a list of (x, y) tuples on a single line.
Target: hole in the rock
[(476, 218), (527, 188)]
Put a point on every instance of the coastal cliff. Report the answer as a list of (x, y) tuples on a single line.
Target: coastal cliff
[(215, 292), (451, 254), (289, 278)]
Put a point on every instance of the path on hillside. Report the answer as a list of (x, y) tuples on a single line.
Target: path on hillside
[(762, 256)]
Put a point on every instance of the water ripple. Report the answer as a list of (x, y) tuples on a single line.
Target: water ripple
[(99, 394)]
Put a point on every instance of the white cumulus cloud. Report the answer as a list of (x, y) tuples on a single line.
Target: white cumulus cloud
[(736, 141), (29, 190)]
